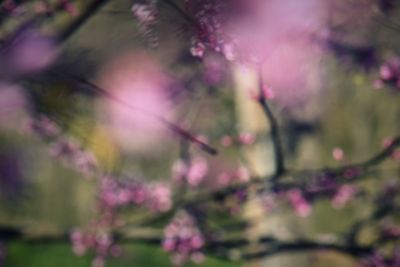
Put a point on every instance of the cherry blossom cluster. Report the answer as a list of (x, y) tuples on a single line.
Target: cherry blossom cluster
[(191, 173), (183, 239), (65, 149), (98, 239), (114, 194), (323, 185), (209, 19)]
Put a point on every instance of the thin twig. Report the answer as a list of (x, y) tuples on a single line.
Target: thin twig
[(363, 165)]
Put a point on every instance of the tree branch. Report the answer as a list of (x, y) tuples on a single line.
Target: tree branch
[(272, 245), (275, 133), (170, 125)]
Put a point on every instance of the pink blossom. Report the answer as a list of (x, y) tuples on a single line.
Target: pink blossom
[(160, 199), (183, 239), (198, 50), (197, 171), (338, 154), (389, 73), (301, 206), (343, 195), (268, 92), (247, 138), (243, 174), (386, 72), (192, 173)]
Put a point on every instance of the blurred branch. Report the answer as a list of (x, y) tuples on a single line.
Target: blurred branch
[(363, 165), (275, 133), (170, 125), (305, 245), (219, 248), (271, 183)]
